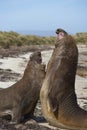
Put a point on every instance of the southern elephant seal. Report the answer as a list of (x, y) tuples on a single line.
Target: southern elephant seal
[(58, 97), (20, 99)]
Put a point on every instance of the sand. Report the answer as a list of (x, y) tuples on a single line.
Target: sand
[(18, 64)]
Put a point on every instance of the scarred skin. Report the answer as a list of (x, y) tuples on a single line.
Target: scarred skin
[(58, 97), (20, 99)]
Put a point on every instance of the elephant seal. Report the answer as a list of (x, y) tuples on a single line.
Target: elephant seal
[(58, 97), (21, 98)]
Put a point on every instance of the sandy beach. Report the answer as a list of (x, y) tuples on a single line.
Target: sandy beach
[(16, 65)]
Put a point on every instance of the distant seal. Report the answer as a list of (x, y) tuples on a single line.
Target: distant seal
[(20, 99), (58, 97)]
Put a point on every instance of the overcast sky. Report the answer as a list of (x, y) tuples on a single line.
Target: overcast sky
[(18, 15)]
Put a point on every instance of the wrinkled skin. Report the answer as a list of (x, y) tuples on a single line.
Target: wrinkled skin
[(58, 97), (20, 99)]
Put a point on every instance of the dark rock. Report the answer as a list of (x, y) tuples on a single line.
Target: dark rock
[(4, 125), (8, 75), (82, 71), (29, 125)]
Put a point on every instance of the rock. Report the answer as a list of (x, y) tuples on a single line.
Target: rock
[(82, 71), (8, 75), (31, 121), (4, 125)]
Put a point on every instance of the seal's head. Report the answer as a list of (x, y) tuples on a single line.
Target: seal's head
[(59, 30), (61, 33), (36, 56)]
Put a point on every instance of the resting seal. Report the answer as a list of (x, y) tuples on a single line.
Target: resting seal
[(20, 99), (58, 97)]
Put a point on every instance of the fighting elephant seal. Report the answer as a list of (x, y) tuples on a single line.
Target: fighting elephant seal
[(20, 99), (58, 97)]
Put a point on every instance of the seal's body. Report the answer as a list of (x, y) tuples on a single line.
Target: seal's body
[(58, 97), (21, 98)]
